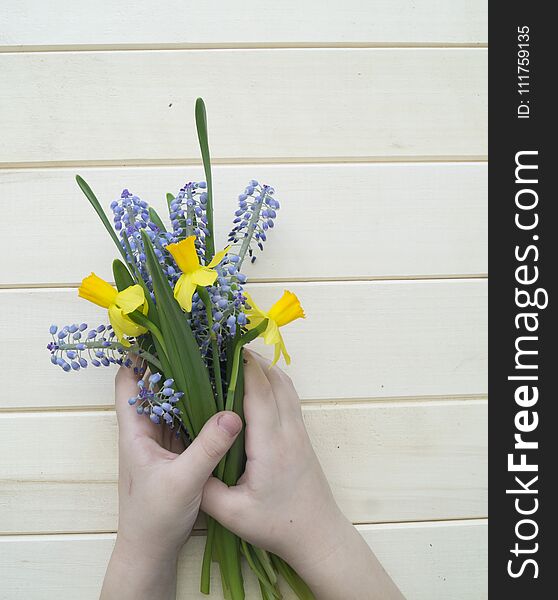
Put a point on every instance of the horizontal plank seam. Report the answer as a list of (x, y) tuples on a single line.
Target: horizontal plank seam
[(329, 160), (333, 403), (9, 537), (299, 45), (7, 287), (307, 402), (324, 162)]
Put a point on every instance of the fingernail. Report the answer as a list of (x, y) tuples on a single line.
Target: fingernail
[(230, 423)]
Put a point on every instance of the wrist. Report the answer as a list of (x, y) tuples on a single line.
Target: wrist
[(341, 551), (140, 572), (320, 544), (142, 553)]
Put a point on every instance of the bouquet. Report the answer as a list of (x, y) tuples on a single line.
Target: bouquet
[(180, 316)]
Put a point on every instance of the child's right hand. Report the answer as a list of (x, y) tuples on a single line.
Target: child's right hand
[(283, 502)]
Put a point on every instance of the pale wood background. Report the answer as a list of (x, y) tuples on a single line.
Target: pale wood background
[(369, 118)]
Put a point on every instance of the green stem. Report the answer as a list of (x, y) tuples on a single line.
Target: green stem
[(148, 357), (132, 265), (216, 363), (245, 339), (250, 231), (296, 583), (229, 404), (265, 573), (201, 126), (142, 320), (162, 351), (205, 583)]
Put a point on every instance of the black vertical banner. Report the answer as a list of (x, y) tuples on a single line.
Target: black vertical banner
[(523, 435)]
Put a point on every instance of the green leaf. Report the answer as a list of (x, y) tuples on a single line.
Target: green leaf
[(227, 546), (122, 276), (296, 583), (205, 581), (236, 458), (265, 574), (156, 219), (99, 210), (170, 198), (189, 370), (201, 126)]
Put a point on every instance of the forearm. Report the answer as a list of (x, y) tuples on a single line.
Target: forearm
[(345, 567), (134, 574)]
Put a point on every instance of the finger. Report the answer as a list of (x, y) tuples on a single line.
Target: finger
[(260, 408), (226, 504), (130, 424), (212, 443), (286, 397)]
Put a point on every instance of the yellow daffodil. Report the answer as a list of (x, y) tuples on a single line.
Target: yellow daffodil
[(193, 274), (285, 310), (119, 305)]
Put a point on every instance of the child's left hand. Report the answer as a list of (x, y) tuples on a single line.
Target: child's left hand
[(160, 488)]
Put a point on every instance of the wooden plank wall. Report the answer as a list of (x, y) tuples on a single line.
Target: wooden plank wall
[(369, 118)]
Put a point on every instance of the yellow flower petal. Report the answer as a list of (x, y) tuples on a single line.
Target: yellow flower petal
[(184, 290), (97, 290), (123, 325), (271, 334), (130, 299), (218, 258), (286, 309), (204, 276), (254, 313), (280, 348), (276, 354), (185, 255)]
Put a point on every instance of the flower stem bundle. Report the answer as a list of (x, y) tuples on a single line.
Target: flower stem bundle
[(180, 316)]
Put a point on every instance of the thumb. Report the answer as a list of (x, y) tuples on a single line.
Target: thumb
[(208, 448)]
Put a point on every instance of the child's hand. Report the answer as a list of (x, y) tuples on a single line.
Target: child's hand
[(283, 502), (160, 489), (283, 495)]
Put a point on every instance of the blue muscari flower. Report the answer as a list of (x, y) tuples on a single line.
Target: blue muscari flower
[(155, 378), (258, 209), (69, 352), (158, 404)]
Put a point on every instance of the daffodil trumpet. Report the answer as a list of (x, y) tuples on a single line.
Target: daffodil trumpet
[(119, 305), (283, 312)]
